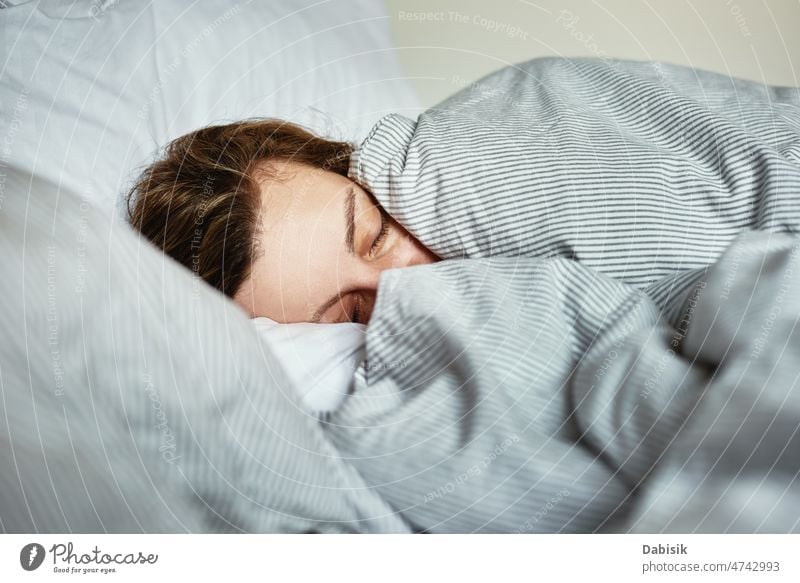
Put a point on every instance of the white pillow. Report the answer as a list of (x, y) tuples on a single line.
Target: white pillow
[(319, 359), (90, 90), (135, 398)]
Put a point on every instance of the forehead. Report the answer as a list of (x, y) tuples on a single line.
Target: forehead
[(294, 193), (300, 239), (284, 177)]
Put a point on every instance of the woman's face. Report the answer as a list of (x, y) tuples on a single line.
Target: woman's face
[(322, 246)]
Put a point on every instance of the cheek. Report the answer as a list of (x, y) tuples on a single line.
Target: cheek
[(285, 279)]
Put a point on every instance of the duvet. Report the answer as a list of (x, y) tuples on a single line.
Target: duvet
[(611, 344), (536, 395), (634, 169)]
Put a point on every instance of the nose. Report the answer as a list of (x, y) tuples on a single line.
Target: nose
[(419, 254), (410, 251)]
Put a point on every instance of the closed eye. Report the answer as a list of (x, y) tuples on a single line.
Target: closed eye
[(381, 234), (355, 315)]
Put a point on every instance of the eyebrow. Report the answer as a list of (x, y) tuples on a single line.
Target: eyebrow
[(349, 239), (350, 220)]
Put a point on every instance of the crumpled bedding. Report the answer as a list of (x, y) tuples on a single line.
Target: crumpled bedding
[(536, 395), (635, 169), (735, 465), (575, 365)]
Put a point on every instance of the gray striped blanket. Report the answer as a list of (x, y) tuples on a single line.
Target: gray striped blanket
[(546, 382), (535, 395), (462, 415), (634, 169)]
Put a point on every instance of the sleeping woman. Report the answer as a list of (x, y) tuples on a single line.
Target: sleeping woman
[(263, 211), (636, 170), (531, 385)]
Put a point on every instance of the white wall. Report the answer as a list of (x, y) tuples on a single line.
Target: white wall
[(450, 43)]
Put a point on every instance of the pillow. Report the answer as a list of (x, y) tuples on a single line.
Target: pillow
[(319, 359), (136, 398), (90, 90)]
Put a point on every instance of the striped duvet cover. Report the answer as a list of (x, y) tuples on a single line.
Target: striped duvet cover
[(553, 375), (535, 395), (462, 417), (634, 169)]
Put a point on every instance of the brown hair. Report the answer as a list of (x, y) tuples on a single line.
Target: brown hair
[(200, 201)]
